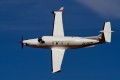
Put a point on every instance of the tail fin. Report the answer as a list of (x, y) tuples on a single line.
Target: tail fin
[(107, 32)]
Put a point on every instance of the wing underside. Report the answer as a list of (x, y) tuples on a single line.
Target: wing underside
[(57, 57), (58, 23)]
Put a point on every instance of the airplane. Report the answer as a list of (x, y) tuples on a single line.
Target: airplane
[(58, 43)]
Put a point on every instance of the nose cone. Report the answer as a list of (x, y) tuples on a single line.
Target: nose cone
[(30, 42), (24, 42)]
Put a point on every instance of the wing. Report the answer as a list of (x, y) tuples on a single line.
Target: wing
[(58, 23), (57, 57)]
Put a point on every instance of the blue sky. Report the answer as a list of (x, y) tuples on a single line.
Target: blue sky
[(33, 18)]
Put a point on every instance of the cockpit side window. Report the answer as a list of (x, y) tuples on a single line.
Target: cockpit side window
[(40, 40)]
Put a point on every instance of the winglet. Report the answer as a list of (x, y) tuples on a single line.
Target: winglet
[(61, 9)]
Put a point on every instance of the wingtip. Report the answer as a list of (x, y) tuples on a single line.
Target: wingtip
[(56, 71), (61, 9)]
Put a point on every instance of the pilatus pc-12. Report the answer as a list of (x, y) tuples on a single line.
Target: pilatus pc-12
[(58, 43)]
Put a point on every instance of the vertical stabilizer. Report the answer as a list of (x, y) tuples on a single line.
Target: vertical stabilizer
[(107, 31)]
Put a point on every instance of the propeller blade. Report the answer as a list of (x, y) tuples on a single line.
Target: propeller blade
[(22, 42)]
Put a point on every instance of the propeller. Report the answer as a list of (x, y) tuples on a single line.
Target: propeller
[(22, 42)]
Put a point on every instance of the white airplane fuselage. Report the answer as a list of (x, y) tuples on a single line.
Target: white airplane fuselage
[(60, 42)]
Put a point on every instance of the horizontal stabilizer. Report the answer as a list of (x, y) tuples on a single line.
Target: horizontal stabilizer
[(107, 31), (90, 46)]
